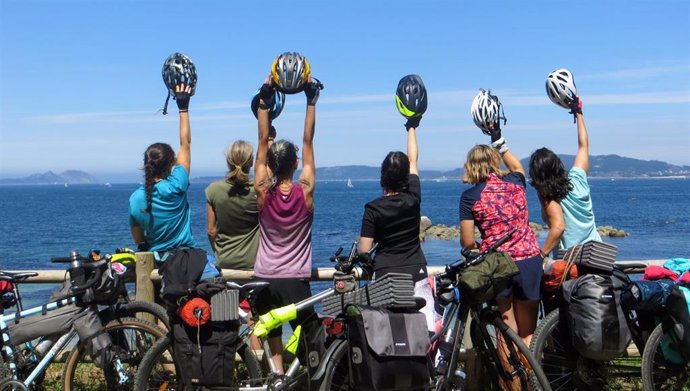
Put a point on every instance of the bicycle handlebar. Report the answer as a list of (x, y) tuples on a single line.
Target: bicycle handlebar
[(95, 276), (346, 264)]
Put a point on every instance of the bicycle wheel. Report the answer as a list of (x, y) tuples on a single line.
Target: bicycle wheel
[(136, 307), (158, 372), (337, 372), (131, 338), (508, 361), (566, 369), (663, 368)]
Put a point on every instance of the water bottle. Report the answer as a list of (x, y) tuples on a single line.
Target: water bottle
[(43, 346), (76, 270)]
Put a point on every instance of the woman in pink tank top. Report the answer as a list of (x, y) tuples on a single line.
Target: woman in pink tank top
[(286, 213)]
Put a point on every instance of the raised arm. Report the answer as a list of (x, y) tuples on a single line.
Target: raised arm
[(308, 176), (499, 143), (413, 150), (184, 155), (582, 156), (261, 172)]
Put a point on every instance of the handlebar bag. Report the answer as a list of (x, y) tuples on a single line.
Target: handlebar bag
[(595, 319), (205, 355), (484, 281), (387, 350)]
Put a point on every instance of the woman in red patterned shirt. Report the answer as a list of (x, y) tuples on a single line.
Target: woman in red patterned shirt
[(495, 204)]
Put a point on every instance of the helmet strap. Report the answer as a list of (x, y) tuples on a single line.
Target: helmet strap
[(165, 106)]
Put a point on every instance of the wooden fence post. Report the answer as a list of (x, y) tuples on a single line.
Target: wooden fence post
[(144, 285)]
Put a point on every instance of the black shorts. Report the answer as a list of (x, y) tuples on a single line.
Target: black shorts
[(527, 284), (281, 292)]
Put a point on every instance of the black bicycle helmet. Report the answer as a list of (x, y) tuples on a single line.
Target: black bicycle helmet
[(177, 69), (290, 72), (411, 96), (276, 109)]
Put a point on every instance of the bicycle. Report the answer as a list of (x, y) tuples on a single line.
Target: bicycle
[(486, 329), (663, 366), (23, 365), (566, 369), (153, 375)]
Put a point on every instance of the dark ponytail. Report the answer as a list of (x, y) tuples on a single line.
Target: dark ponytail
[(158, 162)]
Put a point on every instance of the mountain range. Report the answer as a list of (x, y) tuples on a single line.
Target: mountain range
[(602, 166)]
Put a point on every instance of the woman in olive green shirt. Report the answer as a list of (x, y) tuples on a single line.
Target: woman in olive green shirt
[(231, 211)]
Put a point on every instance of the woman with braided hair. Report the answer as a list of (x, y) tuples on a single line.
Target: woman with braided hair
[(232, 215)]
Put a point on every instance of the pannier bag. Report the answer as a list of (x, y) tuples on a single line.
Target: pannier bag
[(205, 355), (483, 282), (647, 295), (387, 351), (597, 324), (678, 305)]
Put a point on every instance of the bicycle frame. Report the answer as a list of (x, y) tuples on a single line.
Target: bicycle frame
[(277, 318), (8, 347)]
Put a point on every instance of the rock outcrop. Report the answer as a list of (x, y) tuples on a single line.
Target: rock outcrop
[(444, 232)]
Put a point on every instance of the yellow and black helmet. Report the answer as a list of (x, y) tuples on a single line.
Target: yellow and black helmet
[(290, 72), (411, 96)]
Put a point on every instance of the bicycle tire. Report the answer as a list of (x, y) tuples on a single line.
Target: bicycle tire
[(530, 373), (152, 375), (133, 308), (566, 369), (138, 336), (336, 376), (659, 372)]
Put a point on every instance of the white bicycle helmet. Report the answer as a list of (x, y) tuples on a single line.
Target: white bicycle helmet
[(560, 87), (486, 110)]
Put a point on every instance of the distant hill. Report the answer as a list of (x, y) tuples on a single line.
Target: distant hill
[(601, 166), (71, 177), (614, 166)]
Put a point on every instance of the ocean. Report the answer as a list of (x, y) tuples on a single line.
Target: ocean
[(39, 222)]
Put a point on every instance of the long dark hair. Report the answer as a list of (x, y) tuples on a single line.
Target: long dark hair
[(548, 176), (159, 159), (395, 172), (281, 159)]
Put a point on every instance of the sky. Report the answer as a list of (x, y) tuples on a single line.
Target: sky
[(81, 86)]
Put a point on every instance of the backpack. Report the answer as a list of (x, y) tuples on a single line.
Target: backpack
[(483, 282), (387, 350), (591, 306)]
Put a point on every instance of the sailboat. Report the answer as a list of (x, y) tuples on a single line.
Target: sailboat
[(349, 183)]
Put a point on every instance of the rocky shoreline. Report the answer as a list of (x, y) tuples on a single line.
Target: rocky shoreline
[(444, 232)]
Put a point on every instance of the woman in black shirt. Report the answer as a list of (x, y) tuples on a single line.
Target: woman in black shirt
[(392, 221)]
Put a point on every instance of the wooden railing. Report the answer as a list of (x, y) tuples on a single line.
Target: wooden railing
[(147, 276)]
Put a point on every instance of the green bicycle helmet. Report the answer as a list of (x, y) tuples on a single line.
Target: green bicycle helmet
[(411, 97)]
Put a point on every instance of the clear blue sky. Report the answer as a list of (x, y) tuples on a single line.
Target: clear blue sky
[(80, 81)]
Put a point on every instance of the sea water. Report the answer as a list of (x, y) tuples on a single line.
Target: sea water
[(40, 222)]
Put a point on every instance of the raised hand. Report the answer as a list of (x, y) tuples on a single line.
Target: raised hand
[(312, 90), (182, 94)]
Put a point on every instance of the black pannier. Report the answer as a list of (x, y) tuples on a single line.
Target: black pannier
[(387, 351), (592, 307), (205, 355)]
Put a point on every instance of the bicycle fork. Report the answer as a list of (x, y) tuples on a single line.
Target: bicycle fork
[(449, 347)]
